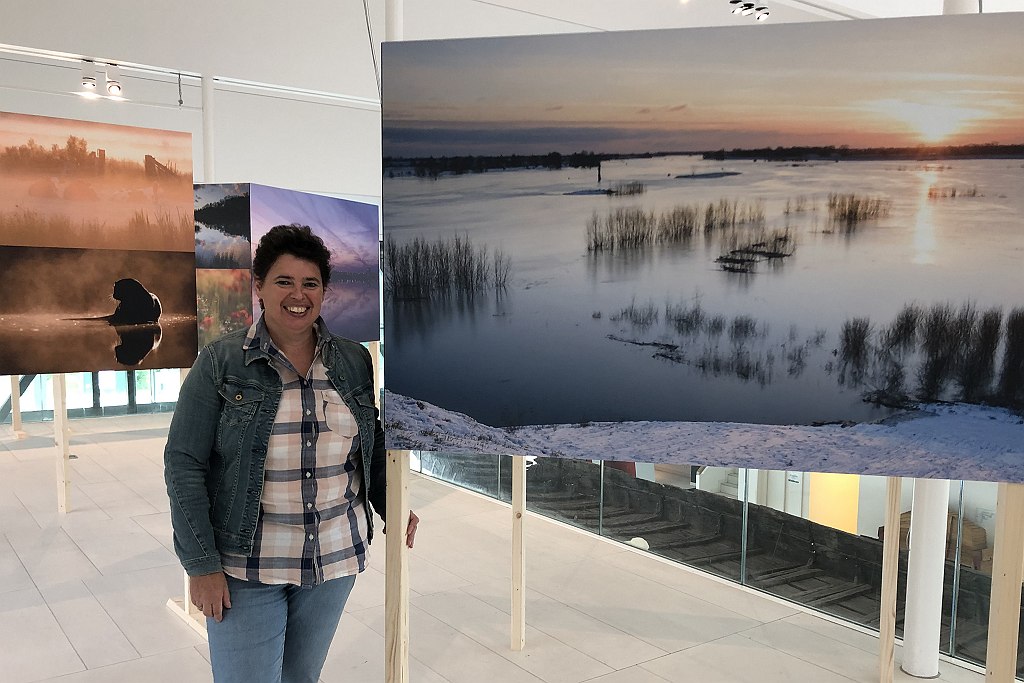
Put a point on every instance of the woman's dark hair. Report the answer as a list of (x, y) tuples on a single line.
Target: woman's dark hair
[(297, 240)]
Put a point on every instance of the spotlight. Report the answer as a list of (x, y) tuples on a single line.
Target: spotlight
[(762, 13), (748, 9), (113, 84), (737, 5), (88, 77)]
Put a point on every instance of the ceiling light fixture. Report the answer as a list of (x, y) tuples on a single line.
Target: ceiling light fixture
[(113, 84), (88, 76), (747, 8)]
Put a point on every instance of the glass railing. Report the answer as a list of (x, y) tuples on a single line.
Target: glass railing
[(805, 537)]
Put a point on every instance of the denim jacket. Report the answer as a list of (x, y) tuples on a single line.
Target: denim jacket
[(217, 444)]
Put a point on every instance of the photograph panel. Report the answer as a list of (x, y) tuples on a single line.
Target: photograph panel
[(79, 184), (820, 230), (79, 310), (349, 229), (222, 226)]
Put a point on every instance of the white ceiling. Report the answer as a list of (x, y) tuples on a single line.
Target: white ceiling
[(473, 18)]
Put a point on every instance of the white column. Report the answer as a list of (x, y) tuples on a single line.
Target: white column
[(923, 616), (207, 90), (961, 6), (394, 20)]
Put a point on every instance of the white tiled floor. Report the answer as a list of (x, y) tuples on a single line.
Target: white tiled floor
[(82, 598)]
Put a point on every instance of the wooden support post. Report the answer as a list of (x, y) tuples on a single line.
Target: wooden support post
[(396, 571), (187, 612), (19, 433), (890, 574), (378, 379), (1007, 573), (61, 437), (518, 553)]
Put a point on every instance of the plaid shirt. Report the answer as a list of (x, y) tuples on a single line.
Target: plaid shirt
[(312, 525)]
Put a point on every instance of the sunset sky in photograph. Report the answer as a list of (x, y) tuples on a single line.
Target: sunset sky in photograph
[(894, 82)]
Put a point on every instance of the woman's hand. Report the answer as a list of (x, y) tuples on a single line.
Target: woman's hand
[(410, 529), (209, 593)]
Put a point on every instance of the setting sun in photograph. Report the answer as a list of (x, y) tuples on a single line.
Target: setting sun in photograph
[(931, 123)]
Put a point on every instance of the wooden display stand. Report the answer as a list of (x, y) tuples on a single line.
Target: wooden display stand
[(19, 433), (890, 573), (1007, 573), (62, 437)]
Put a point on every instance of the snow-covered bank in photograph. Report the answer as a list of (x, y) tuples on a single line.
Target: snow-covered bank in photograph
[(947, 441)]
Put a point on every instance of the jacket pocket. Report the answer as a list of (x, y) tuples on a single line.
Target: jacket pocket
[(239, 405)]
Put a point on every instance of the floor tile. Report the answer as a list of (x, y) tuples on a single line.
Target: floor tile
[(661, 616), (447, 652), (94, 635), (593, 637), (544, 656), (633, 674), (706, 587), (51, 557), (136, 602), (821, 650), (738, 659), (179, 666), (116, 499), (357, 654), (34, 647), (13, 575), (119, 545)]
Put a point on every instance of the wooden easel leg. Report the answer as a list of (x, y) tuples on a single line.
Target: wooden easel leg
[(19, 432), (396, 571), (518, 553), (62, 438), (1007, 573), (890, 573)]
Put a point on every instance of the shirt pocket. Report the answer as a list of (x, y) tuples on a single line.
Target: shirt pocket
[(337, 416)]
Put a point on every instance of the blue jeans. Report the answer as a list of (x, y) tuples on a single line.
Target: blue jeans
[(276, 633)]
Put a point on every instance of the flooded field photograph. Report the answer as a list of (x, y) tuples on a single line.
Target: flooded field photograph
[(824, 227)]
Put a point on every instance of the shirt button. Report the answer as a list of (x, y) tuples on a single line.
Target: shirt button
[(308, 411), (309, 443), (309, 505), (308, 475), (311, 537)]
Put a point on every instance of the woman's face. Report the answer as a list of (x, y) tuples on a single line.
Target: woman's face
[(292, 294)]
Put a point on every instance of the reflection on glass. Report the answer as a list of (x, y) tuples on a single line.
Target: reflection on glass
[(806, 537)]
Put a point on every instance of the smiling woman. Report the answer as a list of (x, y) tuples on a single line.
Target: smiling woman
[(288, 404)]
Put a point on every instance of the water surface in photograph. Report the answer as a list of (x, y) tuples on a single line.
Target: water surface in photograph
[(695, 328)]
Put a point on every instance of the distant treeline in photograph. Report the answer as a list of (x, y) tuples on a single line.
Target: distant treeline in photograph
[(431, 167), (76, 158), (847, 153)]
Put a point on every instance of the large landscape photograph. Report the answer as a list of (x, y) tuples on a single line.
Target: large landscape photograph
[(97, 270), (802, 253)]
